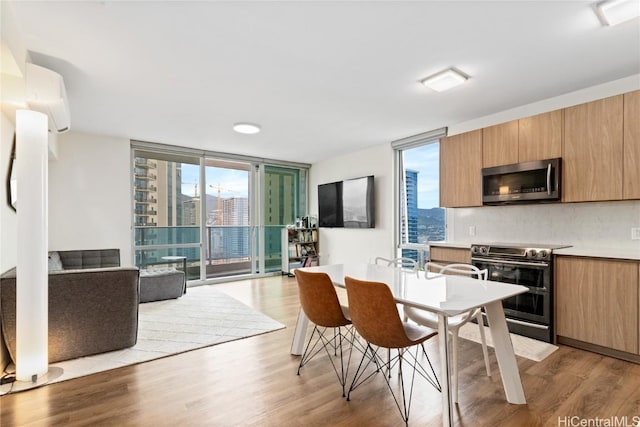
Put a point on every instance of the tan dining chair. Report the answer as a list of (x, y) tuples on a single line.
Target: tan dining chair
[(454, 323), (319, 302), (407, 264), (377, 320)]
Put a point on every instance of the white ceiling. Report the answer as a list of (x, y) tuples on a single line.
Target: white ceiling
[(321, 78)]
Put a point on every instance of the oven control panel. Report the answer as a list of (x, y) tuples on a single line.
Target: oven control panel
[(510, 252)]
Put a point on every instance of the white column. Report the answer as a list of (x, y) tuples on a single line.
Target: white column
[(32, 278)]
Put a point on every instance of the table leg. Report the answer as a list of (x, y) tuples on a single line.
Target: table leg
[(297, 346), (184, 268), (445, 374), (504, 353)]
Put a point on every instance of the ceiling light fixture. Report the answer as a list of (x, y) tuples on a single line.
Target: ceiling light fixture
[(444, 80), (613, 12), (246, 128)]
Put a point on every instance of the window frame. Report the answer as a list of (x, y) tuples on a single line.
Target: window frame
[(400, 199)]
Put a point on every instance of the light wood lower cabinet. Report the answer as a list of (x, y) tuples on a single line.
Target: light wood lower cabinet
[(597, 302), (445, 256)]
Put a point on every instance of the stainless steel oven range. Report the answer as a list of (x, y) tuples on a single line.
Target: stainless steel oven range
[(531, 265)]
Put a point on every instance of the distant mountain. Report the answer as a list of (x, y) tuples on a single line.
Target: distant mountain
[(431, 225)]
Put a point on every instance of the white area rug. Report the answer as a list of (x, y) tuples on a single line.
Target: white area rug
[(522, 346), (201, 318)]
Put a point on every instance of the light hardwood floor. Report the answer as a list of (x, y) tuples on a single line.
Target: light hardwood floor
[(253, 382)]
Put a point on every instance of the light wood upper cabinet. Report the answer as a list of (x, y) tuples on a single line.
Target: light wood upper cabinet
[(540, 137), (461, 170), (631, 175), (597, 302), (500, 144), (593, 149)]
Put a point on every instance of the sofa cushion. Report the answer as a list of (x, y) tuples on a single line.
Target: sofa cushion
[(92, 258), (161, 284)]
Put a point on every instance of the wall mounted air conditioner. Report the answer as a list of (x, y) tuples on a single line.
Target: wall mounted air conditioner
[(46, 94)]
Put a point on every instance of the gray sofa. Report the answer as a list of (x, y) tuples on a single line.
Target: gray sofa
[(93, 305)]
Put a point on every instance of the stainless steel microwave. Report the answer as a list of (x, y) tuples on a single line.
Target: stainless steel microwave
[(529, 182)]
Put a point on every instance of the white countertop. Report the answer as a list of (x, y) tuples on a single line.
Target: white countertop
[(578, 250), (450, 244), (601, 252)]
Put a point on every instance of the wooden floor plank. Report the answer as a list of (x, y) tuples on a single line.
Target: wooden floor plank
[(253, 382)]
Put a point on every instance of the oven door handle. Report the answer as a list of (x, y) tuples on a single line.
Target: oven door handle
[(529, 264), (531, 325)]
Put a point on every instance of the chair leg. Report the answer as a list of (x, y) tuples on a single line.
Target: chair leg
[(321, 343), (454, 346), (483, 340)]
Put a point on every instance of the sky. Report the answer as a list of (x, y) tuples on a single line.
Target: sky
[(232, 182), (425, 160)]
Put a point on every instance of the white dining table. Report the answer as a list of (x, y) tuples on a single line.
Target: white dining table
[(445, 295)]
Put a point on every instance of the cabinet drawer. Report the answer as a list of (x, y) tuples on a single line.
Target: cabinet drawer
[(449, 255)]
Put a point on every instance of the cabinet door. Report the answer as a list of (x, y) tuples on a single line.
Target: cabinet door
[(540, 137), (461, 170), (597, 302), (500, 144), (449, 255), (631, 182), (592, 160)]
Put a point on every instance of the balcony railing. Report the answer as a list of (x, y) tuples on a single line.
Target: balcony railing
[(141, 199), (145, 175), (227, 248), (145, 163)]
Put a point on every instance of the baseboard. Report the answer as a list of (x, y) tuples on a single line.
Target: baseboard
[(629, 357)]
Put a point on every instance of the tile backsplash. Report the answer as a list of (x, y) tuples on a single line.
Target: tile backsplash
[(603, 224)]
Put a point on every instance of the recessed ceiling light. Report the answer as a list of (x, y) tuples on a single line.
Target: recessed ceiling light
[(444, 80), (613, 12), (246, 128)]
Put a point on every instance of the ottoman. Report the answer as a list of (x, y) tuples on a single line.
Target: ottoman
[(156, 285)]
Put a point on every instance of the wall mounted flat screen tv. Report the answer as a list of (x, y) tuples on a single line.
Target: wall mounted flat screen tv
[(358, 203), (348, 204), (330, 204)]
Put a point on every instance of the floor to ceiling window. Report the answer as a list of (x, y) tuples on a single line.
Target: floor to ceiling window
[(421, 219), (221, 215), (165, 218), (284, 201)]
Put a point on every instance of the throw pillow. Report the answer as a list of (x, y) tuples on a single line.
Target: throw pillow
[(55, 263)]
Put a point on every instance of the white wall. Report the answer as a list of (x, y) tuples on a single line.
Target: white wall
[(339, 245), (90, 194)]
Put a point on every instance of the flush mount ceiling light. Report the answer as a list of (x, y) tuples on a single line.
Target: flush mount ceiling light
[(613, 12), (444, 80), (246, 128)]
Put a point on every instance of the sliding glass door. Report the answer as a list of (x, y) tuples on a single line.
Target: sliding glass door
[(228, 228), (284, 200), (166, 218), (213, 216)]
